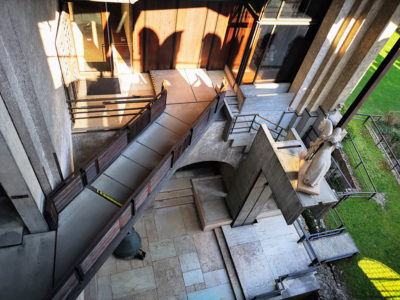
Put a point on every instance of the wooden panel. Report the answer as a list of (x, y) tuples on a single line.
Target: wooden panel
[(68, 286), (141, 197), (208, 35), (91, 171), (221, 44), (159, 34), (112, 152), (100, 247), (160, 173), (181, 147), (138, 16), (140, 123), (200, 124), (125, 216), (190, 24), (239, 42), (158, 107), (65, 195)]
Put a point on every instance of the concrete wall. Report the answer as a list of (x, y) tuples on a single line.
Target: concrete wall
[(348, 41), (32, 88), (211, 147)]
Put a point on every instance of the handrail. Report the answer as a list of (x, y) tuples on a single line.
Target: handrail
[(61, 196), (249, 128), (119, 223)]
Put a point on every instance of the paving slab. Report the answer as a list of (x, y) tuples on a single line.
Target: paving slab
[(239, 235), (142, 155), (149, 295), (189, 261), (179, 89), (208, 250), (201, 84), (162, 249), (168, 277), (127, 172), (169, 223), (254, 272), (104, 290), (173, 124), (29, 267), (187, 113), (158, 138), (223, 291), (112, 188), (190, 219), (215, 278), (184, 244), (193, 277), (133, 282), (79, 222)]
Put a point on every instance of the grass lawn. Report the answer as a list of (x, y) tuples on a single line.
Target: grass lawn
[(375, 272)]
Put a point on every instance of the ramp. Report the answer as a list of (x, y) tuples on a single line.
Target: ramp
[(334, 247)]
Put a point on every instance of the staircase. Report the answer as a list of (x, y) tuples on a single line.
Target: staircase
[(92, 210), (327, 246)]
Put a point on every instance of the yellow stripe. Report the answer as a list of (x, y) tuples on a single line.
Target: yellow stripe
[(109, 198), (153, 82)]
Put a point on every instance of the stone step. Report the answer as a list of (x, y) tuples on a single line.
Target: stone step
[(267, 88), (174, 194), (242, 139), (231, 100), (175, 184), (334, 247), (229, 264), (173, 202)]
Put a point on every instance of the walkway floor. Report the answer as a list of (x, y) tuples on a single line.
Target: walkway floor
[(264, 251), (182, 261)]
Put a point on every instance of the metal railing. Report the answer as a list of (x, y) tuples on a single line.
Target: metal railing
[(393, 161), (250, 123), (66, 191), (341, 184)]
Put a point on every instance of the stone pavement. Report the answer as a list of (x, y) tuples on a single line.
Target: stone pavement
[(182, 261)]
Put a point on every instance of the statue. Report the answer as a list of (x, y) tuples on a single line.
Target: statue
[(316, 162)]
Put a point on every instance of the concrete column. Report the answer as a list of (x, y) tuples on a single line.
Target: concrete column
[(354, 33), (31, 87), (15, 183)]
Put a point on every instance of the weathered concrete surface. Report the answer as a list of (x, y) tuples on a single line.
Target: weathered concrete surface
[(211, 147), (11, 226), (31, 86), (28, 268), (14, 184), (357, 31)]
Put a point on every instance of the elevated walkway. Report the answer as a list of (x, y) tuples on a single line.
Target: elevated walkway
[(93, 209)]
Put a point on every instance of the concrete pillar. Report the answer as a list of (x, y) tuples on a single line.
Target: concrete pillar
[(354, 32), (15, 183), (32, 89)]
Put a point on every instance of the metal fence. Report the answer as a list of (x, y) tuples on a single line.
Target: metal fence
[(376, 133), (336, 177)]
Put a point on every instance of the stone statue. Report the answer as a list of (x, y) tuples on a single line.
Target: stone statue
[(315, 163), (321, 161), (326, 127)]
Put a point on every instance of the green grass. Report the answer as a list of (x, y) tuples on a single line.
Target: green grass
[(375, 231)]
